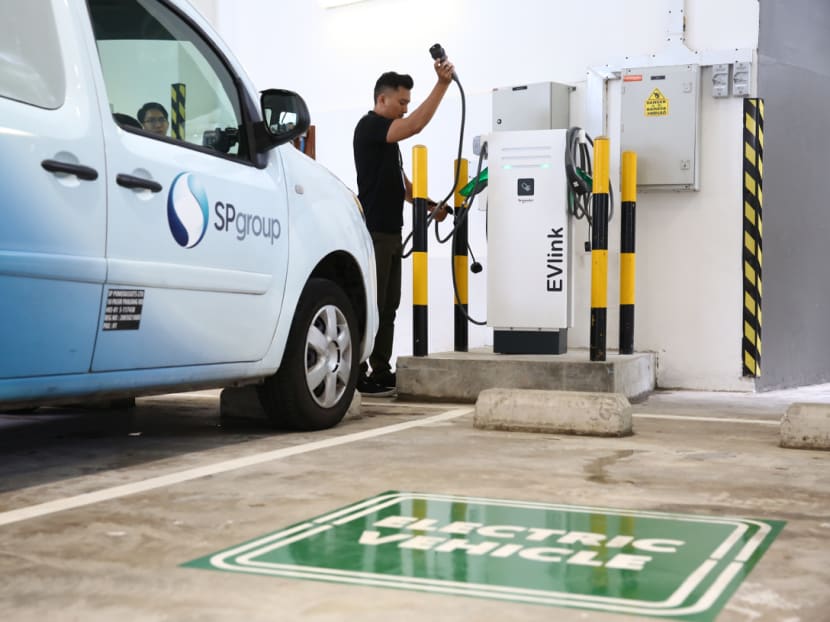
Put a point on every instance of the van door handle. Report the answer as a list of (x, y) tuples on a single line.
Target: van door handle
[(82, 172), (131, 181)]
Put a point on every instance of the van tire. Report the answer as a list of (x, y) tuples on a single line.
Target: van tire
[(314, 385)]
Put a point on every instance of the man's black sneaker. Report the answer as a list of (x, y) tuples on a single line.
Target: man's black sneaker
[(367, 386), (384, 379)]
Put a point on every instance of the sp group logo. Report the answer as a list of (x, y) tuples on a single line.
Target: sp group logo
[(187, 215), (187, 210)]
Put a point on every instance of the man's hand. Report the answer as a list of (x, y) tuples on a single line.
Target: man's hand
[(439, 212), (444, 69)]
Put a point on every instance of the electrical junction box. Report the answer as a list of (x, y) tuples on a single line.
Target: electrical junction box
[(540, 106), (740, 79), (720, 80), (528, 267), (661, 122)]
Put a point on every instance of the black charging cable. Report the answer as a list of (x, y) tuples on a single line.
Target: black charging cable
[(437, 52), (475, 268), (579, 172)]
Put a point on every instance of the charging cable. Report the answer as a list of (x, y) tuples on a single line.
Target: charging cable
[(579, 171), (437, 52)]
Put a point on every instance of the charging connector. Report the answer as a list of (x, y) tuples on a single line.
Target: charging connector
[(480, 143)]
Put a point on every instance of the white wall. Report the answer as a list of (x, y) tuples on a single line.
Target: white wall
[(208, 9), (689, 292)]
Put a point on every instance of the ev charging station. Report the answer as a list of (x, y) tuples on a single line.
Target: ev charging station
[(529, 289)]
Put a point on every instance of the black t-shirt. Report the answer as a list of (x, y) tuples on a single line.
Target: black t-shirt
[(380, 185)]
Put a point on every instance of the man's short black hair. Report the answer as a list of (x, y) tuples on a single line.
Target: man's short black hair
[(142, 112), (392, 81)]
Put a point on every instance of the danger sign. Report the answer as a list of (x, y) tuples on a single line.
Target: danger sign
[(657, 105)]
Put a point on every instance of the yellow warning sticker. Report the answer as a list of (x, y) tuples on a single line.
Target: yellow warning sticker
[(657, 105)]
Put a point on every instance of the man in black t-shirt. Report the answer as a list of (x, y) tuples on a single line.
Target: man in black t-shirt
[(382, 189)]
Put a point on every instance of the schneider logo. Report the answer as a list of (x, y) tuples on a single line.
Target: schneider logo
[(526, 187), (187, 215), (187, 210)]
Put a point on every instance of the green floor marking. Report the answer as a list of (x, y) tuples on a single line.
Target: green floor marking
[(678, 566)]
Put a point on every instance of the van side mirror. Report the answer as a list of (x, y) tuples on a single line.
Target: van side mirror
[(285, 115)]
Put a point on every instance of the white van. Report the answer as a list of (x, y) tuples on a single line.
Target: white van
[(197, 249)]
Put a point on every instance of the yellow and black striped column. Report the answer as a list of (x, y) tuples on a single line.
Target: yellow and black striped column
[(420, 283), (627, 251), (753, 232), (178, 96), (460, 262), (599, 249)]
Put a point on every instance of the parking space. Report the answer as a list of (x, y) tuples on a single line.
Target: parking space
[(106, 513)]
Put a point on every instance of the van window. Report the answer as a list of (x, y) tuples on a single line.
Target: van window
[(31, 67), (163, 79)]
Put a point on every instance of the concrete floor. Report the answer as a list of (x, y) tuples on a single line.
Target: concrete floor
[(99, 509)]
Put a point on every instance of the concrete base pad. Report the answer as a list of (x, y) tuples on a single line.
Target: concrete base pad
[(553, 412), (243, 403), (806, 426), (461, 376)]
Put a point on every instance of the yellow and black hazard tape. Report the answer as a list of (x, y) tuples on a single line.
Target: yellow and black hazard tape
[(178, 93), (753, 161)]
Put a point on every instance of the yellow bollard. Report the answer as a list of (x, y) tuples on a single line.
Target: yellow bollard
[(599, 249), (460, 261), (627, 251), (420, 281)]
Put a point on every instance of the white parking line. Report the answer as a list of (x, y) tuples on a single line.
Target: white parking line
[(59, 505), (717, 419)]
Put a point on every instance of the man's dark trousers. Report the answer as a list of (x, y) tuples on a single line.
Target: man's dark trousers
[(388, 249)]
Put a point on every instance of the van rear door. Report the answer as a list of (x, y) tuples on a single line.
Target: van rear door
[(52, 206)]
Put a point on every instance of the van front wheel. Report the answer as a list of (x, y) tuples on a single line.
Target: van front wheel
[(313, 387)]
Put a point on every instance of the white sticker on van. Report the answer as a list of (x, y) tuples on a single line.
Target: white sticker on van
[(123, 310)]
